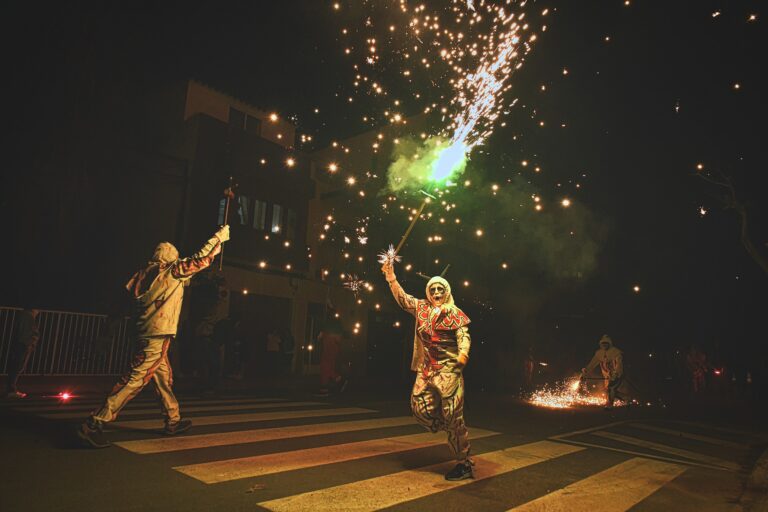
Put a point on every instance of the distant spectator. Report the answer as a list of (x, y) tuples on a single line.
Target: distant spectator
[(26, 336), (231, 344), (274, 341), (696, 363), (329, 339), (107, 336), (529, 365), (287, 347)]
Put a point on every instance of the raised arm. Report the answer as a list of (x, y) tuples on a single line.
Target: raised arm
[(202, 259), (404, 300)]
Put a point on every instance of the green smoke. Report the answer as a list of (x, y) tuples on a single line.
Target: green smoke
[(433, 161)]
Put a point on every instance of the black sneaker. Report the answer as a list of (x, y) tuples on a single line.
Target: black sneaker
[(171, 429), (92, 434), (461, 471)]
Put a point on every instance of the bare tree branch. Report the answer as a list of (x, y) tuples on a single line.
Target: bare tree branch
[(731, 201)]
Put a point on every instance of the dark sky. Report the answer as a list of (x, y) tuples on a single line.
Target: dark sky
[(618, 101)]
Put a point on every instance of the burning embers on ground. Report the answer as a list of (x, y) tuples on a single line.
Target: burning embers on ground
[(568, 393)]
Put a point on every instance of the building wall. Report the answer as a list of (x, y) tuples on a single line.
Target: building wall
[(204, 100)]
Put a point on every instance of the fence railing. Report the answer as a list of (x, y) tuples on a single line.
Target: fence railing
[(70, 343)]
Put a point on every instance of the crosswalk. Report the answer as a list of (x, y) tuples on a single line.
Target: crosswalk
[(693, 444), (389, 462)]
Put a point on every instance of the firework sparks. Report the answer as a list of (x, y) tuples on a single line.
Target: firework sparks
[(389, 256), (565, 395), (354, 284), (478, 93)]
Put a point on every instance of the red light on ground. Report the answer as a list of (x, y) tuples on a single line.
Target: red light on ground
[(65, 396)]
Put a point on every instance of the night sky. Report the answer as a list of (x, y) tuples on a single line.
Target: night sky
[(641, 111)]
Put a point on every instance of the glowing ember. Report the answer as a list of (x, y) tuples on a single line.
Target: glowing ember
[(63, 396), (566, 394)]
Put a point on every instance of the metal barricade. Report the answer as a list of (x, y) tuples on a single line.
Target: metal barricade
[(70, 343)]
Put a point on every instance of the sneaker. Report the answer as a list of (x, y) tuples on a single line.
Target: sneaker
[(92, 434), (461, 471), (16, 394), (171, 429)]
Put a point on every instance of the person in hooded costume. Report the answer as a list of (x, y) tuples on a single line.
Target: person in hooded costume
[(610, 361), (157, 291), (440, 353)]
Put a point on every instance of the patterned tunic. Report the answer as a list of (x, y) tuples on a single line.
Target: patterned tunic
[(441, 333)]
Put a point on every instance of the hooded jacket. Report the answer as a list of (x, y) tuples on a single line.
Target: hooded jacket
[(610, 361), (157, 290), (440, 334)]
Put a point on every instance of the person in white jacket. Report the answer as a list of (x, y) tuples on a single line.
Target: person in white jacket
[(157, 291), (610, 361)]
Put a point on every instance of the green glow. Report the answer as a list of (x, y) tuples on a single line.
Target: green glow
[(450, 160), (419, 163)]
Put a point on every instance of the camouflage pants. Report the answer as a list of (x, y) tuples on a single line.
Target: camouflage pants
[(437, 402)]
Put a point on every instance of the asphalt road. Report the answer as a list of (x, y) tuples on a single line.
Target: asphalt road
[(362, 452)]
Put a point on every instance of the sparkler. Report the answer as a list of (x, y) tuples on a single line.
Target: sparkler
[(389, 256)]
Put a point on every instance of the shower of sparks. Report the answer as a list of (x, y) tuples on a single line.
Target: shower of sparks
[(566, 394), (456, 60), (389, 256), (477, 102), (478, 93)]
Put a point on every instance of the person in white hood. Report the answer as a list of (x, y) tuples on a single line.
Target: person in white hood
[(440, 353), (610, 361), (157, 291)]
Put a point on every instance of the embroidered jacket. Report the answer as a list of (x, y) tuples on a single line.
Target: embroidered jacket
[(441, 333)]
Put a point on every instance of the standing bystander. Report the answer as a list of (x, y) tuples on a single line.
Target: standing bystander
[(26, 336)]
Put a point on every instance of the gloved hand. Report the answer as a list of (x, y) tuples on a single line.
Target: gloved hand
[(462, 360), (389, 271), (223, 233)]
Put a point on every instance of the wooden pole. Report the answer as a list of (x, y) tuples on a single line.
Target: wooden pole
[(230, 194), (415, 219)]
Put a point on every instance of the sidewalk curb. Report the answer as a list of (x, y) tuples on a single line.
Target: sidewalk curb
[(755, 496)]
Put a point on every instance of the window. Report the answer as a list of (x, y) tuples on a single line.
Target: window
[(236, 118), (277, 218), (259, 214), (290, 224), (242, 210), (253, 124)]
